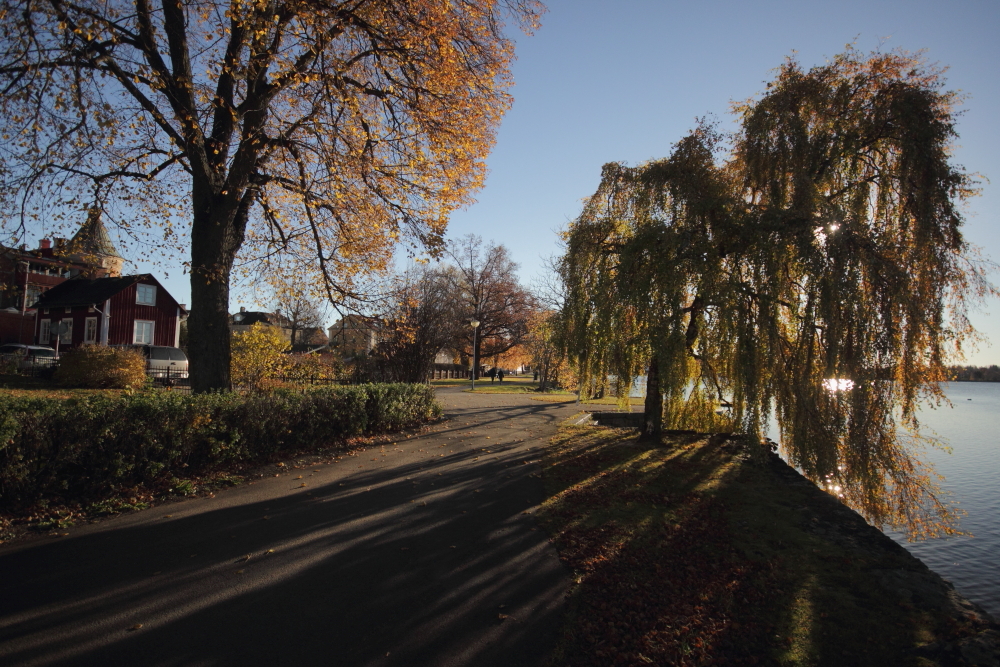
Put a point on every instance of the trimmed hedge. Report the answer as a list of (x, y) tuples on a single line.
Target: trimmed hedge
[(86, 447)]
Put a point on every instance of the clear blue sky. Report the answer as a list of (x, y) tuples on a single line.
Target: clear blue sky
[(622, 80)]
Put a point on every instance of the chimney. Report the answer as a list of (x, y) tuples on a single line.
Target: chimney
[(243, 309), (45, 244)]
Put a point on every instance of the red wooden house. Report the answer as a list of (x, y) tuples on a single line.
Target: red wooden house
[(108, 311)]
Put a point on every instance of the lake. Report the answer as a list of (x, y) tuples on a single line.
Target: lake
[(972, 475)]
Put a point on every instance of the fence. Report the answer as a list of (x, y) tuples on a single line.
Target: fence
[(447, 372), (27, 367)]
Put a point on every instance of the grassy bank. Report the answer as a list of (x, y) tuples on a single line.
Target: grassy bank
[(691, 554)]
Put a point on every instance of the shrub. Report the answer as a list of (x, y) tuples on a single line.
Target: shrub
[(258, 355), (101, 367), (83, 448)]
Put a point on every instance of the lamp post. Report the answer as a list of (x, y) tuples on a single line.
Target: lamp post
[(475, 332)]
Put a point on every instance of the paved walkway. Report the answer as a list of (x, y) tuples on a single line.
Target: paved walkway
[(422, 552)]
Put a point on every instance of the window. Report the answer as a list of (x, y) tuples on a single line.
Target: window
[(69, 309), (145, 295), (90, 330), (33, 293), (45, 333), (66, 332), (143, 332)]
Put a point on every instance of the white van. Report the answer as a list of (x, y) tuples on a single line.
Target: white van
[(163, 363)]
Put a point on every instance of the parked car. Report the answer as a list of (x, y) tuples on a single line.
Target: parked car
[(163, 363), (28, 357)]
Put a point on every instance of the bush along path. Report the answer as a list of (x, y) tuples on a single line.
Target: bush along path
[(66, 460), (691, 553)]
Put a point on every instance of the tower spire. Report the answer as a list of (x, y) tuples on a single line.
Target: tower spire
[(92, 245)]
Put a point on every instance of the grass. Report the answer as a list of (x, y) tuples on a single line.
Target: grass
[(19, 385), (691, 553)]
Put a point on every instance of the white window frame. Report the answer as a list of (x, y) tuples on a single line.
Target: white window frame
[(140, 325), (45, 332), (66, 338), (148, 290), (90, 330)]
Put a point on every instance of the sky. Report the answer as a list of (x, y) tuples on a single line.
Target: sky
[(621, 81)]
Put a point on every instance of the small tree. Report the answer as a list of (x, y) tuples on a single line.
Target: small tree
[(300, 310), (258, 356), (422, 318), (547, 357)]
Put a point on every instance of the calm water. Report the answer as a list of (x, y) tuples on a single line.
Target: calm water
[(972, 474)]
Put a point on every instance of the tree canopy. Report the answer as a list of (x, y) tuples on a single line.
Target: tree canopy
[(330, 130), (811, 265), (486, 287)]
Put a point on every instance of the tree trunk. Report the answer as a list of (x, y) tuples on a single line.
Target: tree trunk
[(216, 236), (653, 421), (208, 346)]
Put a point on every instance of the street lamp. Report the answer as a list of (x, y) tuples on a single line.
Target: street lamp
[(475, 331)]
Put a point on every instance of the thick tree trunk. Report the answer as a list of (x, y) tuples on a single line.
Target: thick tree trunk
[(653, 421), (208, 347), (216, 236)]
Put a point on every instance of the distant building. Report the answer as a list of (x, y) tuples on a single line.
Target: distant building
[(352, 336), (25, 275), (108, 311), (243, 320)]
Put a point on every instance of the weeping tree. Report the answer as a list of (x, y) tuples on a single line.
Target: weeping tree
[(815, 271)]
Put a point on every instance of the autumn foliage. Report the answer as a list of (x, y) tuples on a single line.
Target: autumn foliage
[(327, 132)]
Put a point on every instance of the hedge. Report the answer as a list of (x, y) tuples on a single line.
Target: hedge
[(83, 448)]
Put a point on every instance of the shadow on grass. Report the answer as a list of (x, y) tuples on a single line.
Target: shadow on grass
[(692, 554)]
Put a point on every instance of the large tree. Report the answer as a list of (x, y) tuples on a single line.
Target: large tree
[(486, 286), (329, 129), (817, 271)]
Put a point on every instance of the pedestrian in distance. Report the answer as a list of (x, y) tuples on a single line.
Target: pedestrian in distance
[(500, 375)]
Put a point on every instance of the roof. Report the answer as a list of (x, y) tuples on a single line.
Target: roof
[(251, 317), (93, 238), (90, 291)]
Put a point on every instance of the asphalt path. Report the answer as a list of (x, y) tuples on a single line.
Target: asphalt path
[(421, 551)]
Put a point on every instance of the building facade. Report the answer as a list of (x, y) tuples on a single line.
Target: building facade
[(108, 311)]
